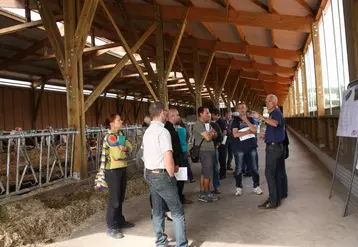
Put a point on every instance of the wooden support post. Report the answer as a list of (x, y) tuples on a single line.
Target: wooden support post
[(27, 11), (160, 58), (186, 77), (224, 99), (217, 87), (247, 93), (73, 75), (225, 79), (212, 96), (304, 87), (242, 92), (298, 101), (197, 78), (208, 66), (290, 95), (234, 87), (36, 103), (117, 68), (319, 84), (128, 50)]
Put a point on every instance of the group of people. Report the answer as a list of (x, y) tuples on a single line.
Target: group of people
[(165, 150)]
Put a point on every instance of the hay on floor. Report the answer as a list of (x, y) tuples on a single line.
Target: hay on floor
[(36, 222)]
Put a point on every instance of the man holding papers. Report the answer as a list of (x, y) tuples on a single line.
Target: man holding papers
[(244, 142), (173, 119)]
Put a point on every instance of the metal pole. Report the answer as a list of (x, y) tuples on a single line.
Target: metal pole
[(8, 169), (352, 178), (66, 156), (41, 151), (335, 169), (17, 163), (72, 153), (325, 48), (48, 140)]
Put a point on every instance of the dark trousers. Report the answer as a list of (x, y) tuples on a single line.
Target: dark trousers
[(117, 182), (180, 186), (187, 164), (284, 183), (273, 169), (229, 154), (164, 189), (252, 166), (222, 159)]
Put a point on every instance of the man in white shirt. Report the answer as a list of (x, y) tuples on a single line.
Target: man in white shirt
[(159, 164)]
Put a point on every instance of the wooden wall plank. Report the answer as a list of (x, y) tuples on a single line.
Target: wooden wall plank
[(45, 111), (17, 108), (8, 109), (26, 109), (52, 110), (2, 102)]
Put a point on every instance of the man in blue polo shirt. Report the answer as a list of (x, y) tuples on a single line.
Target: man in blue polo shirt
[(274, 136), (244, 143)]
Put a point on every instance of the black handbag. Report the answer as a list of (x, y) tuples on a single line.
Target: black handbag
[(195, 151)]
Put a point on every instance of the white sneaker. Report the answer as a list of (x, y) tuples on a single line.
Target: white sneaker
[(238, 192), (258, 190)]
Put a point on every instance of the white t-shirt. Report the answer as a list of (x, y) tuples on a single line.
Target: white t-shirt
[(156, 141)]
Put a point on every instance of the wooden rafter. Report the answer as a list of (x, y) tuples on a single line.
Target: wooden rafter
[(128, 50), (266, 20), (54, 35), (175, 47), (24, 26), (233, 90), (238, 64), (133, 32), (117, 68), (84, 25), (207, 68)]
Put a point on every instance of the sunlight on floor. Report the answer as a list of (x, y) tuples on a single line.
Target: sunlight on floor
[(142, 241)]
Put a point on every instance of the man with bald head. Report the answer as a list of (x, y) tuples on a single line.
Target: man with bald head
[(174, 119), (274, 136)]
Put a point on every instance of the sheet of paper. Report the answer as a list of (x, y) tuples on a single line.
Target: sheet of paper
[(245, 137), (244, 129), (224, 140), (348, 119), (182, 174)]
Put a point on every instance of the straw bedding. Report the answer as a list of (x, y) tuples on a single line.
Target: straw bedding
[(35, 222)]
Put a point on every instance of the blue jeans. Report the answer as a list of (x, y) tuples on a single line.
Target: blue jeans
[(216, 177), (252, 165), (164, 189)]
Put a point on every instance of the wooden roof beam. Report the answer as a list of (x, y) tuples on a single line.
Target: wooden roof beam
[(237, 48), (266, 20), (26, 25), (248, 65)]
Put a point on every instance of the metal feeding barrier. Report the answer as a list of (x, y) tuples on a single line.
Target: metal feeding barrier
[(37, 158), (31, 159)]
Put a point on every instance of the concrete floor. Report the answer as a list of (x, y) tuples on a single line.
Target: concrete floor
[(306, 218)]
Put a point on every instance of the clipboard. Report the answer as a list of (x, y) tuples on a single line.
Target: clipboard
[(121, 140)]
